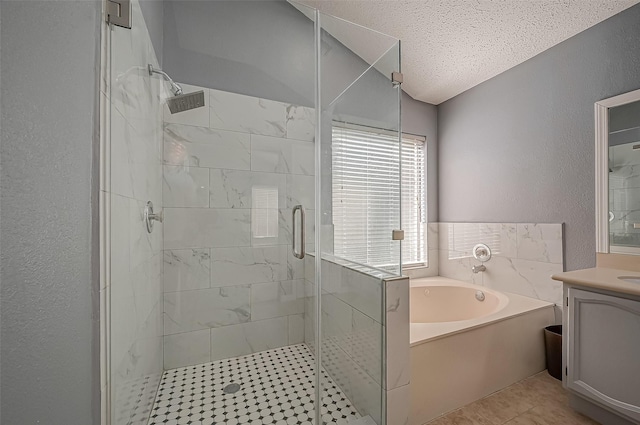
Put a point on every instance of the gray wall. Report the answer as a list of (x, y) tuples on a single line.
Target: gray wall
[(422, 119), (153, 13), (520, 147), (265, 49), (49, 330)]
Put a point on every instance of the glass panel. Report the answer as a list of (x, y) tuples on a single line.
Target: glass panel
[(215, 287), (134, 164), (359, 155)]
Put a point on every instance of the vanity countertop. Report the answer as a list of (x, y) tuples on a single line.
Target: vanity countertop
[(602, 278)]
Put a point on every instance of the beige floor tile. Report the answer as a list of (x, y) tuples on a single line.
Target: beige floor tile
[(465, 416), (538, 400), (557, 412)]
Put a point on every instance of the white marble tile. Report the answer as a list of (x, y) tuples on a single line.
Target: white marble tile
[(523, 277), (143, 245), (186, 269), (310, 269), (247, 338), (365, 344), (432, 235), (399, 405), (194, 117), (397, 329), (130, 81), (247, 189), (363, 292), (540, 242), (204, 147), (366, 394), (231, 111), (135, 166), (277, 299), (337, 321), (445, 236), (120, 246), (296, 328), (186, 349), (240, 265), (456, 265), (206, 308), (295, 266), (204, 227), (502, 238), (331, 277), (278, 155), (301, 123), (301, 191), (185, 186)]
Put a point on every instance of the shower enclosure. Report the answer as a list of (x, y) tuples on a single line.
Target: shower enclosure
[(245, 261)]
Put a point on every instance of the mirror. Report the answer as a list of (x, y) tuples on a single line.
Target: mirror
[(618, 174)]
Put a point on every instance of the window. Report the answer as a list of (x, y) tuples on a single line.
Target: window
[(366, 193)]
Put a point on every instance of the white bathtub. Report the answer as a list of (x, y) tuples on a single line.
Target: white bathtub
[(463, 349)]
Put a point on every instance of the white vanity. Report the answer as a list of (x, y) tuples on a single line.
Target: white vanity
[(601, 343), (601, 318)]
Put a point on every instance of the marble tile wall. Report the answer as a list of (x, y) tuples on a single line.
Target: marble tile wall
[(525, 255), (232, 172), (131, 175), (365, 325)]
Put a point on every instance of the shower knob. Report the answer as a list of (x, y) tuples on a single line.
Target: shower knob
[(482, 252), (150, 216)]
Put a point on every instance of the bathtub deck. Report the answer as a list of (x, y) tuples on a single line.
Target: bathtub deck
[(539, 399)]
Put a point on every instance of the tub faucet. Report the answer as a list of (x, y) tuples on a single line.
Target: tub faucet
[(478, 269)]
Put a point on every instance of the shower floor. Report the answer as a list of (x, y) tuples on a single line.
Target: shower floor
[(276, 387)]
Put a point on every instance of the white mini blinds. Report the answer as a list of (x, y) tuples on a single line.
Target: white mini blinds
[(366, 195)]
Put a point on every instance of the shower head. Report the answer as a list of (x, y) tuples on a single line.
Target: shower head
[(185, 102), (180, 101)]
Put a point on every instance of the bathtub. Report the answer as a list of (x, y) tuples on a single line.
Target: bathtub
[(468, 341)]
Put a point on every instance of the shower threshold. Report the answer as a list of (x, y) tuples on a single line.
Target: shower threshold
[(269, 387)]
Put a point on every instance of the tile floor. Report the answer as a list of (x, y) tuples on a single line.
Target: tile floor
[(276, 387), (538, 400)]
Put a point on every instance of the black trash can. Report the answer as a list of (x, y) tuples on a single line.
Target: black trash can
[(553, 350)]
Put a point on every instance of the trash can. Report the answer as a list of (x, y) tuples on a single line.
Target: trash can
[(553, 350)]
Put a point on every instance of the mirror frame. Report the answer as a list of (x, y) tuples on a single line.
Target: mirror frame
[(602, 164)]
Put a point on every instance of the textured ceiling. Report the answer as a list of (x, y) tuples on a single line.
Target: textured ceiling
[(449, 46)]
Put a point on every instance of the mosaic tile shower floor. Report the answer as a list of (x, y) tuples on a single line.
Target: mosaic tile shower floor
[(276, 387)]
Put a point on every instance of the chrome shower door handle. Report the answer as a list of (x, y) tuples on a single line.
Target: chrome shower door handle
[(298, 254)]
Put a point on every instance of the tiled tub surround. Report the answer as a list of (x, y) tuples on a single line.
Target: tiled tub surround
[(232, 172), (365, 322), (131, 175), (525, 255)]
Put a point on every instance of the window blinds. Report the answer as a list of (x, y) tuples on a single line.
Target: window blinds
[(366, 195)]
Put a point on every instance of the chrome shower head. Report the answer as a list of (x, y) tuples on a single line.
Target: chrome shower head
[(180, 102), (185, 102)]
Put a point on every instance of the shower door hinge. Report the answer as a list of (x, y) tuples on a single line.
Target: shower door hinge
[(396, 78), (397, 235), (119, 13)]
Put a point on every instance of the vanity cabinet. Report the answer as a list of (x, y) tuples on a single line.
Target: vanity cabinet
[(602, 352)]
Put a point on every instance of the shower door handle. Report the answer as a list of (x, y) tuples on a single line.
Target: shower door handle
[(297, 254)]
